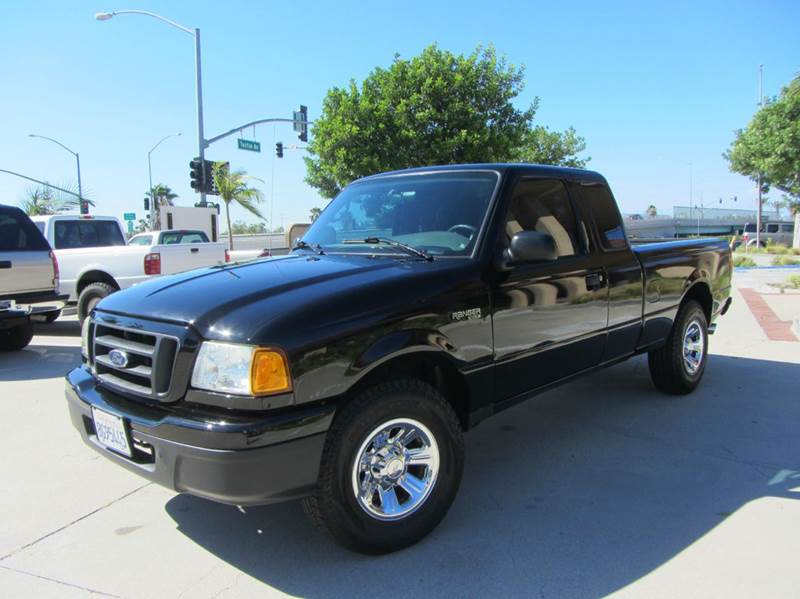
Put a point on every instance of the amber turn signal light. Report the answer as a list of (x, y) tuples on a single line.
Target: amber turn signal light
[(269, 373)]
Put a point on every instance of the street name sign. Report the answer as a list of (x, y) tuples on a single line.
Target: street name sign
[(249, 145), (130, 216)]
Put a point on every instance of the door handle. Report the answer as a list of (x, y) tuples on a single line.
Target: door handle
[(194, 250), (5, 263), (595, 281)]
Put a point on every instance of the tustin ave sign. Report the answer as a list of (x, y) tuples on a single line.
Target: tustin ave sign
[(249, 145)]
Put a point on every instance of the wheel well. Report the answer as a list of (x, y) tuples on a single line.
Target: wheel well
[(95, 276), (701, 293), (429, 367)]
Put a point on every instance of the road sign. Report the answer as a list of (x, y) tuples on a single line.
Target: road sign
[(130, 226), (249, 145), (130, 216)]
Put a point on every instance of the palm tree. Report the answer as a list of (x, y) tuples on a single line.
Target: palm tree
[(44, 200), (652, 211), (232, 187), (160, 195), (314, 214)]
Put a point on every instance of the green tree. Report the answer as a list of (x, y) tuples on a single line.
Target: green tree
[(436, 108), (770, 144), (233, 187), (314, 213), (652, 211), (43, 200), (160, 195)]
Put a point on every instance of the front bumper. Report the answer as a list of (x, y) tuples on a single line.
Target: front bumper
[(235, 459)]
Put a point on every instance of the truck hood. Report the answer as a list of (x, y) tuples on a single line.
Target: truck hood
[(243, 299)]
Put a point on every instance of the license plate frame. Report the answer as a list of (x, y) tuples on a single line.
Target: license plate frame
[(111, 432)]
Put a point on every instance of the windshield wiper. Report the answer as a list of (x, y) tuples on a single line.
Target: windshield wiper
[(406, 248), (302, 245)]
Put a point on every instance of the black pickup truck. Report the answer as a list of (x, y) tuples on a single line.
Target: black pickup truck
[(418, 304)]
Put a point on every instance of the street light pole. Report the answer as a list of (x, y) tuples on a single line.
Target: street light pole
[(77, 160), (150, 174), (201, 142), (760, 105)]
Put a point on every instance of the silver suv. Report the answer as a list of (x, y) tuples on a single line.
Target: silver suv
[(771, 232), (28, 276)]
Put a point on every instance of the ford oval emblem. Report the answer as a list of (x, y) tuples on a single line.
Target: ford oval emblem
[(118, 358)]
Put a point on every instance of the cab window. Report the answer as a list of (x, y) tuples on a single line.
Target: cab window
[(71, 234), (141, 240), (597, 199), (543, 205)]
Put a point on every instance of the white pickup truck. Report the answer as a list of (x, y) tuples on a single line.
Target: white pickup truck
[(95, 260)]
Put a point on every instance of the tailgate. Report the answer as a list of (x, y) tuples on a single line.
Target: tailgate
[(25, 263), (187, 256)]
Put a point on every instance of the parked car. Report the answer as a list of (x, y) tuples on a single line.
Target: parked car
[(771, 232), (28, 279), (95, 260), (417, 305)]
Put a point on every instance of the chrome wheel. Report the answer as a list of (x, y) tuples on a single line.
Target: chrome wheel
[(693, 346), (395, 469)]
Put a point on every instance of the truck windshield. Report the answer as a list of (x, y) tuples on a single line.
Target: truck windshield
[(439, 213), (70, 234)]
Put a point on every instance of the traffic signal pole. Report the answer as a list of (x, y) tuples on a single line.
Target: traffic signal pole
[(201, 142)]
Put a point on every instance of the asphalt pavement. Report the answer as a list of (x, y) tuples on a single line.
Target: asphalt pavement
[(603, 486)]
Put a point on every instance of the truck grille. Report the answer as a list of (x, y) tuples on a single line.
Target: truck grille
[(133, 361)]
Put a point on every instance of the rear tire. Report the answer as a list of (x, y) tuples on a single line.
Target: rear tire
[(394, 436), (17, 337), (678, 366), (90, 296)]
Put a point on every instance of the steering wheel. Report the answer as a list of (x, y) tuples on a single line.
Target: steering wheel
[(472, 230)]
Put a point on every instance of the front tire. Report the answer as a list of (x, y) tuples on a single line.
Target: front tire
[(390, 469), (90, 296), (17, 337), (678, 367)]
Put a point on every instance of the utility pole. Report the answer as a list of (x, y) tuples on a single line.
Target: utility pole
[(760, 106)]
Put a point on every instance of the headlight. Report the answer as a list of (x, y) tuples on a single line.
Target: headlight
[(85, 337), (240, 369)]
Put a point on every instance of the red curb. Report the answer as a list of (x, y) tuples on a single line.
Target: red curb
[(774, 328)]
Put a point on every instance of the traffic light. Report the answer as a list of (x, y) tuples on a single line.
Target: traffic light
[(279, 149), (147, 204), (301, 123), (84, 206), (196, 175)]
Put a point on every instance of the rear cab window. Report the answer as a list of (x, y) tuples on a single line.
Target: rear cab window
[(71, 234), (598, 201), (183, 237), (19, 234)]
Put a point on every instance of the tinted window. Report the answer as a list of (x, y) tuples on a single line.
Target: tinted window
[(19, 234), (441, 213), (750, 228), (543, 205), (772, 228), (787, 228), (141, 240), (87, 234), (183, 237), (600, 202)]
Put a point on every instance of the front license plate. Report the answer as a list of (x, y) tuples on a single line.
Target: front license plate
[(111, 432)]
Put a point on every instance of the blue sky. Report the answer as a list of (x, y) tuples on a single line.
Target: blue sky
[(651, 86)]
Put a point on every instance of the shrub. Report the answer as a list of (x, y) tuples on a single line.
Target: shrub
[(785, 261), (793, 282), (740, 260)]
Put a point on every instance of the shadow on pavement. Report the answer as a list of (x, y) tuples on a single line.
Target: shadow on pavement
[(577, 493), (38, 362), (59, 328)]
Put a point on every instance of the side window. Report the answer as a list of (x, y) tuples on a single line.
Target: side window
[(606, 216), (141, 240), (772, 228), (787, 228), (18, 234), (543, 205)]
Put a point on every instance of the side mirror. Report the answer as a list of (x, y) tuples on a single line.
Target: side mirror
[(530, 246)]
